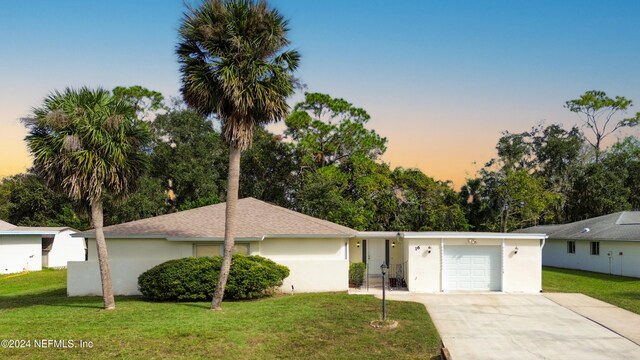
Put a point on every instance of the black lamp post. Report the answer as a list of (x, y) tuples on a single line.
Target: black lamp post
[(383, 269)]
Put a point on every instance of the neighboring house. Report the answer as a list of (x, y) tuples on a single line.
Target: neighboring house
[(607, 244), (317, 252), (25, 248)]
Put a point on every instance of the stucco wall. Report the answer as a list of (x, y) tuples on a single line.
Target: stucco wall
[(128, 258), (66, 248), (423, 273), (522, 271), (314, 264), (627, 264), (20, 253)]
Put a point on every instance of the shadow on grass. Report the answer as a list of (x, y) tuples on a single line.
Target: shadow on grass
[(56, 297), (204, 306), (628, 295), (591, 274)]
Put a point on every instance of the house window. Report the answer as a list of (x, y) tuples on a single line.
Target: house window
[(595, 248), (208, 250), (571, 247), (218, 249), (240, 249)]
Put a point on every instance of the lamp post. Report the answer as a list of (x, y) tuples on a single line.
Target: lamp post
[(383, 269)]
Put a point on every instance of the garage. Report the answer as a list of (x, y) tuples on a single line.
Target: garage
[(467, 261), (472, 268)]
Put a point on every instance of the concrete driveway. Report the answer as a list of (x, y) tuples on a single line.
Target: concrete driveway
[(509, 326)]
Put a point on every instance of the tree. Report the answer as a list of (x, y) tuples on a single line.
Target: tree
[(598, 110), (234, 67), (621, 158), (558, 154), (189, 153), (87, 144), (143, 101), (330, 131), (598, 191), (26, 200), (267, 169)]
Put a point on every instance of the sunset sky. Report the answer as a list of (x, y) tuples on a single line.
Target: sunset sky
[(440, 79)]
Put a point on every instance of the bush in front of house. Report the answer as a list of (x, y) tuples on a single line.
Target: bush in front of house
[(356, 274), (195, 279)]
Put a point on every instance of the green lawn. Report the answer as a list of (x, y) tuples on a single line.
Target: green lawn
[(316, 326), (621, 291)]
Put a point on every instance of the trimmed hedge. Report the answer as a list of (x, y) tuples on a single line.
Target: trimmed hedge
[(195, 279), (356, 274)]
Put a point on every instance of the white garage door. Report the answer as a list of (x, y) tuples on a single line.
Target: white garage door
[(472, 268)]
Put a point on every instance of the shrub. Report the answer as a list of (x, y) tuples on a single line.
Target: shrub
[(193, 279), (356, 274)]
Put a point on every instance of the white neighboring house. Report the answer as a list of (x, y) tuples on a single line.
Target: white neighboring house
[(607, 244), (317, 252), (24, 248)]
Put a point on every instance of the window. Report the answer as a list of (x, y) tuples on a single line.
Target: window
[(208, 250), (571, 247), (218, 249), (595, 248), (240, 249)]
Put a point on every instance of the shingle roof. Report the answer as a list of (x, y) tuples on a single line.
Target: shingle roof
[(255, 219), (6, 226), (617, 226)]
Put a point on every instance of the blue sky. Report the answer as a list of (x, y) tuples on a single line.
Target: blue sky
[(441, 79)]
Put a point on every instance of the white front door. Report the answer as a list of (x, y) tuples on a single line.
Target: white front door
[(376, 255), (472, 268)]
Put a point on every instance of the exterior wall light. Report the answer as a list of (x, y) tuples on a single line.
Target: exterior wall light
[(393, 244), (429, 250), (472, 241), (358, 244), (515, 251)]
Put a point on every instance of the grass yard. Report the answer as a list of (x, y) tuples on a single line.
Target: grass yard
[(621, 291), (315, 326)]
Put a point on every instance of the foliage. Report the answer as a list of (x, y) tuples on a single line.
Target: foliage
[(195, 279), (189, 152), (142, 100), (331, 131), (148, 201), (624, 158), (598, 191), (235, 65), (356, 274), (26, 201), (85, 142), (598, 110), (267, 169), (290, 326), (424, 204)]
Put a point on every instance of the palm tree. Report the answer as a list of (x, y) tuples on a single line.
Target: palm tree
[(86, 143), (234, 66)]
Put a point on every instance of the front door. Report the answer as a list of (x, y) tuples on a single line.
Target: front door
[(377, 254)]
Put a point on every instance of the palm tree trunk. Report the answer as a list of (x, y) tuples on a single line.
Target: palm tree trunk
[(233, 184), (103, 258)]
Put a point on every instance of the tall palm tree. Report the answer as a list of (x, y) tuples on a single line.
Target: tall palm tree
[(235, 66), (86, 143)]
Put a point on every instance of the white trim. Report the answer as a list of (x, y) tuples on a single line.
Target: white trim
[(471, 235), (29, 232), (502, 272), (441, 264)]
